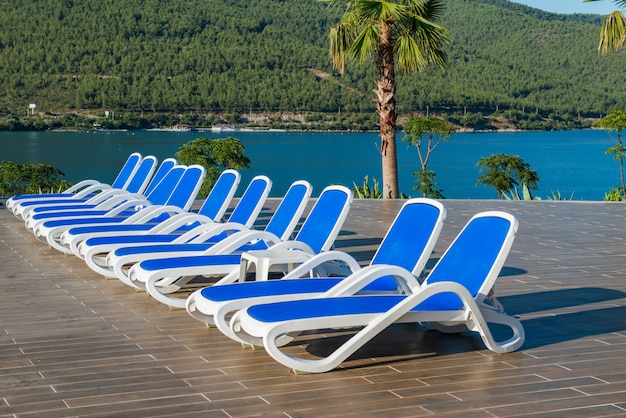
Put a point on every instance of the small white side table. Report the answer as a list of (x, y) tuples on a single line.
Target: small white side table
[(265, 259)]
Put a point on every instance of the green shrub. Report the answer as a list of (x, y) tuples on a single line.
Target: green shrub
[(16, 179)]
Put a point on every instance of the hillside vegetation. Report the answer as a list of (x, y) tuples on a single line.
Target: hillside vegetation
[(272, 55)]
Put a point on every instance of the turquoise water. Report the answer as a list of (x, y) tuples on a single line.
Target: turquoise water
[(567, 161)]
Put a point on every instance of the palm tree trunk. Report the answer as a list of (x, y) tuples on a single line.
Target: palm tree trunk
[(621, 172), (621, 162), (386, 109)]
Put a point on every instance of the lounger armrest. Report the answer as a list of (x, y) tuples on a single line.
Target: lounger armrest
[(477, 318), (320, 259), (130, 204), (121, 199), (180, 219), (91, 189), (83, 184), (407, 282), (207, 231), (104, 194), (148, 213), (235, 241), (292, 246), (99, 196)]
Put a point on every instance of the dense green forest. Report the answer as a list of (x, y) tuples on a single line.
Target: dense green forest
[(243, 56)]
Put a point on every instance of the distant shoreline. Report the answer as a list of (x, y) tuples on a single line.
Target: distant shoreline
[(499, 121), (270, 130)]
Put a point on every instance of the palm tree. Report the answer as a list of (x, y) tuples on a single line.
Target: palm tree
[(613, 30), (390, 32)]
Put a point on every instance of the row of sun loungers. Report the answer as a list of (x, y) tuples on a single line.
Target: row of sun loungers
[(265, 287)]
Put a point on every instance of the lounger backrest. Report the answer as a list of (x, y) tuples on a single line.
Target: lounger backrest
[(188, 187), (287, 214), (162, 191), (410, 239), (127, 170), (165, 166), (251, 201), (221, 194), (327, 216), (141, 177), (477, 255)]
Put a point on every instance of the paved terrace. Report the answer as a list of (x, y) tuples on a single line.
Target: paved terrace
[(74, 344)]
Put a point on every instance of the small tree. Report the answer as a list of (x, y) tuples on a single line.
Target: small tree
[(505, 172), (215, 155), (427, 184), (616, 122), (425, 133)]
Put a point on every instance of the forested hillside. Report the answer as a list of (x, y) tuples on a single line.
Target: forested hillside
[(272, 55)]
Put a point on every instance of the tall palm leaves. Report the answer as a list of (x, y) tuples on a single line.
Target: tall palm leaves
[(402, 33), (613, 30), (612, 38)]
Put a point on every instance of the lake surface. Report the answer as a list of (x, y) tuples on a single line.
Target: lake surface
[(567, 161)]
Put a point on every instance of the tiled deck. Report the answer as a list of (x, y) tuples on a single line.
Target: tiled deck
[(74, 344)]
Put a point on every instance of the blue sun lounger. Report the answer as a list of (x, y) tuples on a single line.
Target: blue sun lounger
[(455, 297), (210, 213), (279, 228), (93, 244), (84, 189), (120, 181), (141, 184), (161, 277), (106, 200), (408, 243), (174, 194)]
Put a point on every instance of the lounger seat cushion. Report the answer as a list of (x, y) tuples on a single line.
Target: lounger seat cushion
[(268, 288), (341, 306), (196, 261), (191, 247)]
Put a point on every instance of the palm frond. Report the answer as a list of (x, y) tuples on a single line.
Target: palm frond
[(621, 3), (375, 10), (612, 33), (341, 38), (389, 10), (414, 54), (365, 43), (428, 9), (417, 40), (420, 42), (409, 55)]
